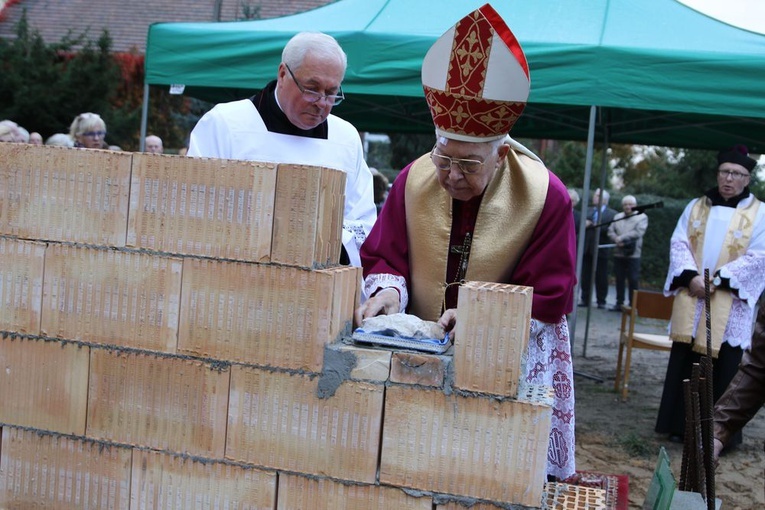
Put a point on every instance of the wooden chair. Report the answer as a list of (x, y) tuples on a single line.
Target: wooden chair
[(652, 305)]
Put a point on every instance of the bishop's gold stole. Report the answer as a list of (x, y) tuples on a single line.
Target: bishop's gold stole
[(736, 242), (509, 212)]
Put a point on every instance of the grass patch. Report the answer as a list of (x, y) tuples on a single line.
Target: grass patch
[(634, 445)]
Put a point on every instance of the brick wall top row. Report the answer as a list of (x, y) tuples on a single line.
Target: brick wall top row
[(225, 209)]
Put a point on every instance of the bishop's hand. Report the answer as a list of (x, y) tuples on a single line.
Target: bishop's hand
[(385, 302), (448, 320)]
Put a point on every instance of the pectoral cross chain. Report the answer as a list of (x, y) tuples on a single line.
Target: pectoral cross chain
[(464, 252)]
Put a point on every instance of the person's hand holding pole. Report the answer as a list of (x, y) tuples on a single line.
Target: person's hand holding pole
[(696, 287)]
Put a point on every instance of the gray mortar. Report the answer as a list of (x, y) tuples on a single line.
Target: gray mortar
[(337, 368), (416, 493), (105, 444), (174, 255), (344, 337), (211, 363), (449, 377), (347, 340), (467, 502)]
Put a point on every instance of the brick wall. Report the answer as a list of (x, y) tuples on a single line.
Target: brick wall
[(172, 336)]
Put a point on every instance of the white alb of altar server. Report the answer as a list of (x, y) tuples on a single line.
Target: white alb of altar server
[(289, 121)]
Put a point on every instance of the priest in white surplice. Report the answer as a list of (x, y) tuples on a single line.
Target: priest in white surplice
[(289, 121), (723, 231)]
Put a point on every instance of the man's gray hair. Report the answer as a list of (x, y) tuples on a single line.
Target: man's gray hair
[(604, 196), (574, 195), (317, 44), (629, 198)]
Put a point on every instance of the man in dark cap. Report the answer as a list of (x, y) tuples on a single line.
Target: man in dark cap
[(723, 231)]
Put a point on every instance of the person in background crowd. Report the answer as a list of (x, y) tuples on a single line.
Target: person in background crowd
[(88, 130), (14, 130), (153, 144), (35, 138), (7, 134), (481, 207), (60, 140), (289, 121), (596, 216), (627, 231), (722, 231), (380, 187), (574, 196), (22, 135)]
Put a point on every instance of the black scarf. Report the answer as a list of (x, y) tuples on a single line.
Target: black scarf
[(717, 199), (275, 119), (277, 122)]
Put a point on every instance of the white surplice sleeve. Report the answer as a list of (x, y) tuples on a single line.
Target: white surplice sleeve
[(360, 211)]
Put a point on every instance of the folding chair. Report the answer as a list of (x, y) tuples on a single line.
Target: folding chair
[(647, 304)]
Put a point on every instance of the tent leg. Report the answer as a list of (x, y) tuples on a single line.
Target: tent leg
[(580, 242), (596, 253), (583, 219), (144, 117)]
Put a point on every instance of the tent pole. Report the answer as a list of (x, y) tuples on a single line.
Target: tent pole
[(596, 254), (144, 117), (583, 219), (580, 241)]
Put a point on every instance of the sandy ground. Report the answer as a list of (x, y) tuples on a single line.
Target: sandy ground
[(618, 437)]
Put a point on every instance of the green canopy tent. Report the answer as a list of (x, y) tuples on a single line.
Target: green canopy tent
[(659, 72), (651, 72)]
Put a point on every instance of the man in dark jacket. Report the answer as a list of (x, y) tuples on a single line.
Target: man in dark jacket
[(746, 392), (598, 214)]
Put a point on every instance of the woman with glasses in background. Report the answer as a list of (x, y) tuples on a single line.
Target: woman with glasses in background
[(88, 131)]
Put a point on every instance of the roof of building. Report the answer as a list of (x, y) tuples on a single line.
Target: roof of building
[(128, 20)]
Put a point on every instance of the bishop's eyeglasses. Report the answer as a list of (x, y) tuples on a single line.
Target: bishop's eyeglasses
[(444, 163), (314, 97)]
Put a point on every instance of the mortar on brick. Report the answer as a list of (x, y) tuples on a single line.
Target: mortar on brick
[(371, 364), (418, 369), (337, 368)]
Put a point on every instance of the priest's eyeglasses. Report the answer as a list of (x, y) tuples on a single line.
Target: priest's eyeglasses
[(444, 163), (314, 97), (736, 176)]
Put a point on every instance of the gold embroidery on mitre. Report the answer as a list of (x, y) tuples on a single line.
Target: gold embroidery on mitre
[(470, 49), (469, 57), (459, 114)]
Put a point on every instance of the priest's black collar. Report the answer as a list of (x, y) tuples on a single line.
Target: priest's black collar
[(275, 119), (717, 199)]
